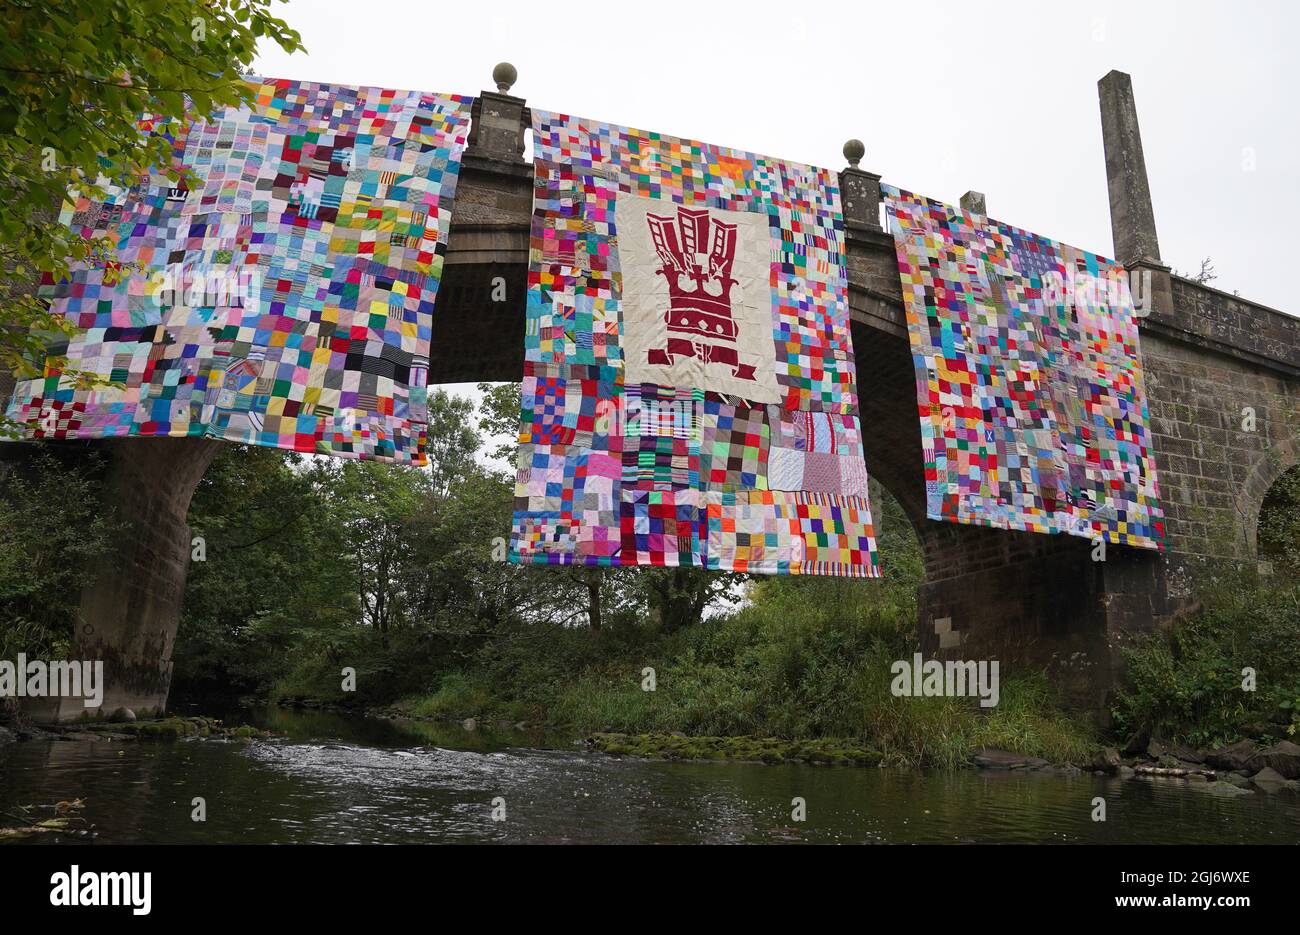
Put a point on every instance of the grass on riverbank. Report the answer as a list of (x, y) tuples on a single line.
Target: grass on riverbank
[(707, 702), (807, 662)]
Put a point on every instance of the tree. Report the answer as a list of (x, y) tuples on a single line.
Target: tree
[(89, 90), (499, 418), (274, 581), (677, 597), (389, 511), (375, 505), (51, 534), (591, 589), (452, 441), (1279, 522), (592, 579), (1205, 275)]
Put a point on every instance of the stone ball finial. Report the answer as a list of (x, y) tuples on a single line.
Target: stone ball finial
[(505, 75), (854, 151)]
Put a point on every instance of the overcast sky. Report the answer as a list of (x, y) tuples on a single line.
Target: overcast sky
[(996, 97)]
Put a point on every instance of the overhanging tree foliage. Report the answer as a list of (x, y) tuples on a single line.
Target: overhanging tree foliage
[(88, 92)]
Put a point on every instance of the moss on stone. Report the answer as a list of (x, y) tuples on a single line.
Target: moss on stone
[(825, 750), (171, 728)]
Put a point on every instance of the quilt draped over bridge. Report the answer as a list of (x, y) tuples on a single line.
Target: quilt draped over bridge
[(689, 392), (287, 299), (1029, 384)]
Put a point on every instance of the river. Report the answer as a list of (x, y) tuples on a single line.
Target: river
[(332, 778)]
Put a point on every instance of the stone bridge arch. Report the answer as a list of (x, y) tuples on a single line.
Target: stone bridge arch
[(1276, 461)]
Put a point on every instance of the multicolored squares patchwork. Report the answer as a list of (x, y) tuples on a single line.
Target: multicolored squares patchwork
[(777, 532), (287, 299), (1029, 380), (816, 451), (689, 389), (734, 444)]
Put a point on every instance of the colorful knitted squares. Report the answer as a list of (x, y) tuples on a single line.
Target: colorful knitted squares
[(286, 299), (816, 451), (661, 438), (1029, 380), (687, 303), (661, 527), (734, 447), (779, 532)]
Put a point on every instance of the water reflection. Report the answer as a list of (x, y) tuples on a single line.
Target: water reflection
[(342, 779)]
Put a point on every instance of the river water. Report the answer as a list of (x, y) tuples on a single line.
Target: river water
[(335, 779)]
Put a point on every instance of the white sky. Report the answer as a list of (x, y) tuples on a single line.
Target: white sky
[(1000, 98)]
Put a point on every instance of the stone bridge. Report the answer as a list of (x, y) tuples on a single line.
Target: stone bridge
[(1030, 600), (1025, 598)]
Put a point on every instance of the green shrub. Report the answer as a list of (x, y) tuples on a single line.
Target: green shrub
[(803, 661), (53, 530), (459, 695), (1186, 685)]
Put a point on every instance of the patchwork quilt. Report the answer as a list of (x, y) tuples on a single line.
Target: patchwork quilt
[(1028, 378), (689, 392), (286, 299)]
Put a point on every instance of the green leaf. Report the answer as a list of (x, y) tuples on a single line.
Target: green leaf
[(61, 61)]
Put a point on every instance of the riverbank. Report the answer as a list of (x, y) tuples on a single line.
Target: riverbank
[(906, 732), (1239, 769), (802, 662), (812, 661), (171, 727)]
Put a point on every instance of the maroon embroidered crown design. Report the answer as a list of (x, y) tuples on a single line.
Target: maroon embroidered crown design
[(697, 268)]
